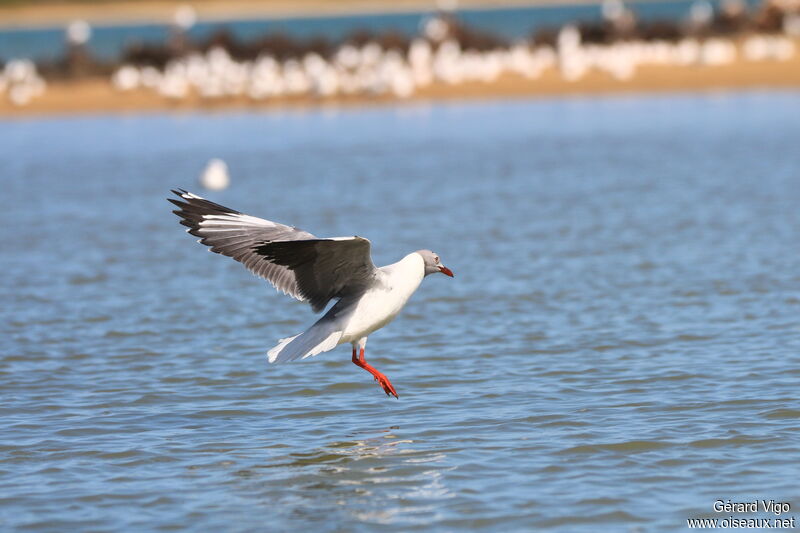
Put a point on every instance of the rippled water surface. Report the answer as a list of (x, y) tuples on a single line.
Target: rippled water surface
[(619, 347)]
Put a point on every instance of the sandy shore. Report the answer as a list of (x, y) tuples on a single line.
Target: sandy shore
[(100, 12), (98, 96)]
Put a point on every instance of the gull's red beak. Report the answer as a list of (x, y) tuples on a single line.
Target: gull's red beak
[(446, 271)]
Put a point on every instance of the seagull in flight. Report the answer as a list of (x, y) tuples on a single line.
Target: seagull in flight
[(314, 270)]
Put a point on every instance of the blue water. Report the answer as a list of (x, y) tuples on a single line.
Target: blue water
[(620, 346), (513, 23)]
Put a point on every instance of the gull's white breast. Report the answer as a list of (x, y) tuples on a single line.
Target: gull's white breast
[(381, 303)]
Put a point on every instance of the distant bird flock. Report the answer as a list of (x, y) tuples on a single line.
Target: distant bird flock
[(444, 52), (372, 70)]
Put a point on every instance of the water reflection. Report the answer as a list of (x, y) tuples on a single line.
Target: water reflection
[(373, 476)]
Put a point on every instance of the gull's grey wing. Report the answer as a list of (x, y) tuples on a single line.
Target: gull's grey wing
[(294, 261), (324, 268), (234, 234)]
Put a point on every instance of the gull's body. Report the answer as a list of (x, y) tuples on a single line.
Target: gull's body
[(317, 271), (380, 304)]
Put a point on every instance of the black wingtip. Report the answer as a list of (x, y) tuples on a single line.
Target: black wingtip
[(181, 204)]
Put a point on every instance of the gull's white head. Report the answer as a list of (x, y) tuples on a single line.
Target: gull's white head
[(433, 264)]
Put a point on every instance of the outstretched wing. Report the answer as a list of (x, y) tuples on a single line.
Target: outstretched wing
[(294, 261)]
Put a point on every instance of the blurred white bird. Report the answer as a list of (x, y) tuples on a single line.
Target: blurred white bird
[(184, 17), (78, 32), (215, 176)]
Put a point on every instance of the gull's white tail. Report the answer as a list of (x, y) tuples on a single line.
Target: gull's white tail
[(320, 337)]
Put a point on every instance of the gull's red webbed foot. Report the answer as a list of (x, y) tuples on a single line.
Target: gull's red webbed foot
[(386, 384), (382, 380)]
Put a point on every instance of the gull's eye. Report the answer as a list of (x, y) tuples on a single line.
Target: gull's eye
[(436, 259)]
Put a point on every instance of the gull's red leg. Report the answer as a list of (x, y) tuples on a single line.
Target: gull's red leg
[(379, 377)]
